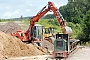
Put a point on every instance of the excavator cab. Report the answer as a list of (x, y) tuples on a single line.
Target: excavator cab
[(38, 31)]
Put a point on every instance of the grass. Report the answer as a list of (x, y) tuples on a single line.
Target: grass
[(50, 23)]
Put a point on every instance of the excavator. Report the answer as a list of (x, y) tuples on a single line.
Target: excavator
[(49, 32), (29, 34)]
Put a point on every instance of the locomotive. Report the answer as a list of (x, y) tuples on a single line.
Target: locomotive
[(63, 46)]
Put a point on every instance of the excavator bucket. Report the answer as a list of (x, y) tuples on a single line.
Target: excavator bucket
[(67, 30)]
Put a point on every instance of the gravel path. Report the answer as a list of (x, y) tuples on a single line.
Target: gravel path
[(83, 53)]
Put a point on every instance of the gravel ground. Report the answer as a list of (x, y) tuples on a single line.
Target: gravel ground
[(83, 53)]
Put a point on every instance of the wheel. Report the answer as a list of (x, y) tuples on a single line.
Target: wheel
[(47, 59), (59, 59)]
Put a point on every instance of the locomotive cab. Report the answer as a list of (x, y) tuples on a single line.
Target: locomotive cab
[(60, 46)]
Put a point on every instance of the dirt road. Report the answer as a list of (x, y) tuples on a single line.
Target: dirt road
[(81, 54)]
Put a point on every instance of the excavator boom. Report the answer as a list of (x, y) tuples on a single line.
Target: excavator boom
[(49, 7)]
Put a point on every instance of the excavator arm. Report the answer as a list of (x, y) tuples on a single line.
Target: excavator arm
[(43, 11), (34, 19), (56, 13)]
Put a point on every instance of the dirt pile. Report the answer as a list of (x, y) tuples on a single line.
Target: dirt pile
[(13, 47), (10, 27), (47, 44)]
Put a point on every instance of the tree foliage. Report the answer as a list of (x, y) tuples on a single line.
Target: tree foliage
[(49, 16), (86, 28), (74, 11)]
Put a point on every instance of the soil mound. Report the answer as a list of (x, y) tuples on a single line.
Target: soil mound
[(10, 27), (12, 47)]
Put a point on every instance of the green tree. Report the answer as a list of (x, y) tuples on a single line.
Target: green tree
[(49, 16), (86, 28), (75, 10), (85, 35)]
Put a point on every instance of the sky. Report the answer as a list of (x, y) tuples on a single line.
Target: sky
[(16, 8)]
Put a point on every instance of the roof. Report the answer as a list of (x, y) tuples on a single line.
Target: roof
[(38, 25)]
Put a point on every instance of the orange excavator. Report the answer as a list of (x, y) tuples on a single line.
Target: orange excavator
[(28, 34)]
